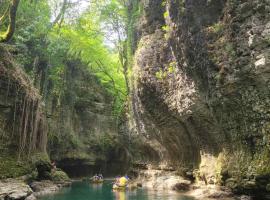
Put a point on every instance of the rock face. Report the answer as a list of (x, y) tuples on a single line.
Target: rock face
[(14, 190), (158, 179), (71, 119), (201, 86), (23, 126), (84, 140)]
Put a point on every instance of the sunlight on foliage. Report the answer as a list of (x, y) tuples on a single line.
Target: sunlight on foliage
[(84, 42)]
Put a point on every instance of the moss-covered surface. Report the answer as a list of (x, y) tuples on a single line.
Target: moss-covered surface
[(58, 175), (10, 167)]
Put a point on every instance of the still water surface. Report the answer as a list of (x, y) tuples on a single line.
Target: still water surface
[(87, 191)]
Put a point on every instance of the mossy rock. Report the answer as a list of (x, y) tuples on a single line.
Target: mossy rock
[(32, 176), (59, 175)]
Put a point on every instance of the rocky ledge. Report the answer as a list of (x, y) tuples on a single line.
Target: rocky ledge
[(12, 189), (41, 188), (15, 189), (159, 179)]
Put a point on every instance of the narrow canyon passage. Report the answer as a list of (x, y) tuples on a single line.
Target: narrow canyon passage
[(172, 96)]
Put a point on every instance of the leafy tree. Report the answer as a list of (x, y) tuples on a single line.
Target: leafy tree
[(10, 12)]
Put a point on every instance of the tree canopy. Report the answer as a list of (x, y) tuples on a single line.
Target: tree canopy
[(53, 32)]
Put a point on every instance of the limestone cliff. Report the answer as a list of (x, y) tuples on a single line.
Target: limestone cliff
[(23, 126), (83, 131), (201, 93)]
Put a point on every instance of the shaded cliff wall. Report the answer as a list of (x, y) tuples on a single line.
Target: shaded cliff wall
[(23, 127), (83, 135), (201, 85)]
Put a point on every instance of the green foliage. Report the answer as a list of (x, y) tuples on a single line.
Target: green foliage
[(230, 50), (217, 28), (170, 69), (58, 175), (85, 41), (33, 19), (44, 169), (166, 14), (164, 2), (166, 28), (10, 167), (160, 75)]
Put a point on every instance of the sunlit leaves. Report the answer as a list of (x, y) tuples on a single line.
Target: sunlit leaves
[(85, 41)]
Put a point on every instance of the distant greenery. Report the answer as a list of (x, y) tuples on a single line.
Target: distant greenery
[(50, 34)]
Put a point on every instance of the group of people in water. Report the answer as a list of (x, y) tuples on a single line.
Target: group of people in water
[(121, 182), (97, 178)]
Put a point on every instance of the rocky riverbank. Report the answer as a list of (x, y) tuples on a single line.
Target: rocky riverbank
[(162, 178), (18, 189)]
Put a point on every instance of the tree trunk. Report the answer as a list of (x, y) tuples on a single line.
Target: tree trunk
[(12, 21)]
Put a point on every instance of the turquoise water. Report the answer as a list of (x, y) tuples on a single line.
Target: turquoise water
[(87, 191)]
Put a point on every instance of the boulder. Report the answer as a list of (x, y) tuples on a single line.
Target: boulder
[(182, 186)]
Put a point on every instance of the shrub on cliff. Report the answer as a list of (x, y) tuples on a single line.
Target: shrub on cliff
[(44, 170), (59, 175)]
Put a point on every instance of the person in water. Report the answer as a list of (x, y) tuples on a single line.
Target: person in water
[(95, 177), (100, 177)]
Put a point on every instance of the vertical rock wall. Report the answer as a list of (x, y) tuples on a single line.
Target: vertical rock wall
[(83, 131), (201, 85), (23, 126)]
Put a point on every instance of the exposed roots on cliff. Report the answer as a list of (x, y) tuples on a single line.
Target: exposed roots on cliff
[(27, 123)]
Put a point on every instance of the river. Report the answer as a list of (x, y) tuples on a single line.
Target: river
[(87, 191)]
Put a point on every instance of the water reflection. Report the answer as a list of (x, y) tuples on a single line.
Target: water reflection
[(144, 194), (120, 195), (97, 186)]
